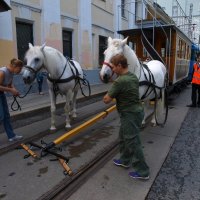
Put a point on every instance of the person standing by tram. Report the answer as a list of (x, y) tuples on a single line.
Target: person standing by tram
[(6, 85), (125, 90), (195, 96)]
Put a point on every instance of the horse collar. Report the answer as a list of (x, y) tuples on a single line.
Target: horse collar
[(59, 80)]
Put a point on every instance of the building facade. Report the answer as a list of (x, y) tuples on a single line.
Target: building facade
[(77, 28)]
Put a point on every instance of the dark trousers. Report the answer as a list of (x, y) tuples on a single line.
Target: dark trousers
[(131, 152), (40, 82), (195, 94)]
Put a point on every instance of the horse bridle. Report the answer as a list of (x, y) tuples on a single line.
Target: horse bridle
[(30, 69), (109, 65)]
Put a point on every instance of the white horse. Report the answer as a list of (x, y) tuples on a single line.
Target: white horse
[(152, 79), (63, 77)]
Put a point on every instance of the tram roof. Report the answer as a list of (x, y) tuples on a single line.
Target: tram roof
[(130, 32)]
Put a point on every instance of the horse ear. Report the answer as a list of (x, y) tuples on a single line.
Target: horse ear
[(42, 47), (30, 45), (110, 40), (124, 41)]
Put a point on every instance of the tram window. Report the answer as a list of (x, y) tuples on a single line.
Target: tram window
[(183, 50), (144, 52), (178, 49), (163, 52), (135, 47), (188, 52)]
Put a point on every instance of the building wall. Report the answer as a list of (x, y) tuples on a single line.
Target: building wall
[(87, 20), (70, 8), (7, 46), (29, 13)]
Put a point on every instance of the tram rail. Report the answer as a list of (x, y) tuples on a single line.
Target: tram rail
[(27, 118), (88, 151), (69, 185), (81, 173), (37, 139)]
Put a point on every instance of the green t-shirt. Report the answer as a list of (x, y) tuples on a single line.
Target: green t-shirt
[(125, 90)]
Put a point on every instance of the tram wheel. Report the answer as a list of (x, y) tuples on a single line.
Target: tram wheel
[(161, 109)]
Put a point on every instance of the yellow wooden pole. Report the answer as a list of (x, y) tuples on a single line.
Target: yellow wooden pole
[(84, 125), (65, 166), (33, 154)]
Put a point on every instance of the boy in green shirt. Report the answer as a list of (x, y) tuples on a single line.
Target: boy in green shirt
[(125, 90)]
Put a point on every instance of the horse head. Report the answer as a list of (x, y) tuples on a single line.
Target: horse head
[(34, 59), (115, 46)]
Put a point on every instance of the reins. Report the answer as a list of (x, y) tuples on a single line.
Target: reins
[(15, 100), (148, 82)]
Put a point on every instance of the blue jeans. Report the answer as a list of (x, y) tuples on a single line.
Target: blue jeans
[(40, 82), (5, 116)]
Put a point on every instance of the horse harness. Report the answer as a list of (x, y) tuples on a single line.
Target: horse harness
[(150, 82), (75, 76)]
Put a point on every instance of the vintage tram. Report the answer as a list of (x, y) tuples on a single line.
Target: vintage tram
[(167, 44)]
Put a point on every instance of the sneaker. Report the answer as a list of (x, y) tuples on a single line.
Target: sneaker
[(15, 138), (136, 175), (118, 162), (41, 93)]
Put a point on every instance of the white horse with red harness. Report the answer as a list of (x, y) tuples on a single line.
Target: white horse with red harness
[(152, 77), (64, 77)]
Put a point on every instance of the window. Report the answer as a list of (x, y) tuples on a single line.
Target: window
[(123, 8), (67, 43), (179, 48), (24, 36), (102, 48), (145, 54)]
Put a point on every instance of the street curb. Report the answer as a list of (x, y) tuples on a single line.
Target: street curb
[(46, 108)]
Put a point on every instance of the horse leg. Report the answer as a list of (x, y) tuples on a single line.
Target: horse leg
[(67, 108), (153, 120), (148, 111), (145, 113), (53, 109), (73, 108)]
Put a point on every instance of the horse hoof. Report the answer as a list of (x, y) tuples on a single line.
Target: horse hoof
[(73, 116), (68, 126), (53, 128), (153, 125)]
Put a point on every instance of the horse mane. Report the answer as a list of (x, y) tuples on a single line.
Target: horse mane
[(51, 61), (134, 64), (49, 49)]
